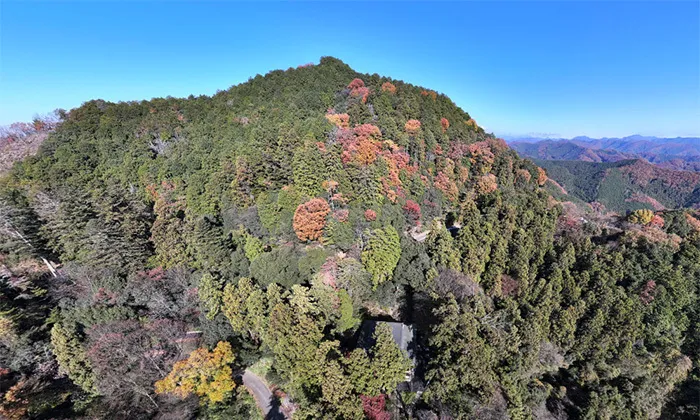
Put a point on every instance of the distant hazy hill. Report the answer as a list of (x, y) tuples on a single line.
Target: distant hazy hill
[(624, 185), (567, 150), (671, 153)]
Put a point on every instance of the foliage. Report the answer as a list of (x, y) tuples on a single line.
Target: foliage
[(207, 374), (381, 254), (388, 87), (641, 216), (210, 292), (412, 126), (310, 219), (71, 358)]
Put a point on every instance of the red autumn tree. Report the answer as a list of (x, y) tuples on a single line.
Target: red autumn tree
[(310, 219), (647, 293), (412, 211), (657, 221), (693, 222), (365, 145), (356, 84), (445, 123), (446, 185), (374, 407), (370, 215), (341, 215), (367, 131), (482, 154), (358, 89)]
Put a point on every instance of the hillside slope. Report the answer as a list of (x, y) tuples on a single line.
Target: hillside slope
[(260, 228), (626, 185)]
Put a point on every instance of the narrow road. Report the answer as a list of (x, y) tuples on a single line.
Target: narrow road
[(269, 405)]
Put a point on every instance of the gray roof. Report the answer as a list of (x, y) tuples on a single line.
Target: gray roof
[(402, 333)]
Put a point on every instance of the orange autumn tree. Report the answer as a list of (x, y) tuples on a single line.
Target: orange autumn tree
[(445, 123), (310, 219), (432, 94), (412, 126), (368, 144), (446, 185), (388, 87), (339, 120), (487, 184), (206, 374)]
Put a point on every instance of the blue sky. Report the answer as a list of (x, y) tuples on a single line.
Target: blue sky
[(596, 68)]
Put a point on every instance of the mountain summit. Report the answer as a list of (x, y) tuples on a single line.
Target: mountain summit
[(355, 243)]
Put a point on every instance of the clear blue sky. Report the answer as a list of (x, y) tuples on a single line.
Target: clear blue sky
[(594, 68)]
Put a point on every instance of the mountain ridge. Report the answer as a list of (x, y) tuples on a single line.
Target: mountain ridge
[(681, 153), (152, 249)]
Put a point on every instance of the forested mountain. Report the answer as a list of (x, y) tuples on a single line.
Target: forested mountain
[(151, 251), (566, 150), (624, 185), (682, 153)]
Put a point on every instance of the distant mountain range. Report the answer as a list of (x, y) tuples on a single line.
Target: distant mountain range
[(680, 153), (621, 174)]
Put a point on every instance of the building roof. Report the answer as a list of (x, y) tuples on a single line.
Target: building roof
[(402, 333)]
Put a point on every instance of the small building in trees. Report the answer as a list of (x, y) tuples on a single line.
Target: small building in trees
[(403, 335)]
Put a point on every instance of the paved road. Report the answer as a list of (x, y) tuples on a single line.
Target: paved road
[(263, 396)]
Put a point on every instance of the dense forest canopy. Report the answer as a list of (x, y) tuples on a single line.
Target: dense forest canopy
[(623, 186), (152, 251)]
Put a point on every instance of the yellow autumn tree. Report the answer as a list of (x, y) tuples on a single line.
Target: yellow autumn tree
[(206, 374), (641, 216)]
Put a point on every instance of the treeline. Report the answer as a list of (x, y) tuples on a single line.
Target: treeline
[(259, 227)]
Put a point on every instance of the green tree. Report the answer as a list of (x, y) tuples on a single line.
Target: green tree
[(439, 245), (244, 306), (389, 363), (71, 358), (211, 294), (381, 254), (464, 363)]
